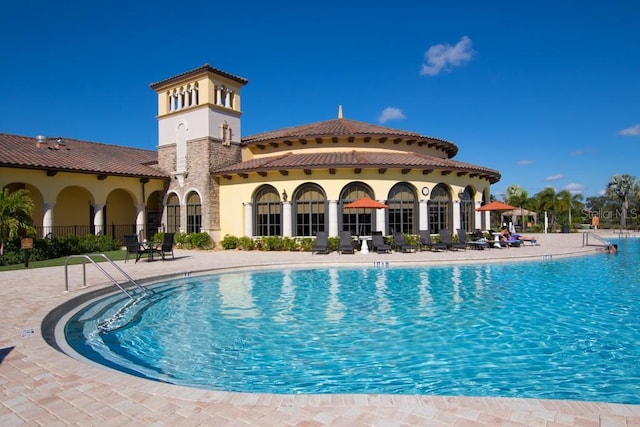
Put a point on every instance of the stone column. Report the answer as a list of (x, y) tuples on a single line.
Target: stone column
[(98, 218), (423, 212), (286, 219), (248, 219), (47, 219), (381, 224), (333, 218), (140, 219), (456, 215)]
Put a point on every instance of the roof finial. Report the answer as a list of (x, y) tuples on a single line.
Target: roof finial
[(339, 111)]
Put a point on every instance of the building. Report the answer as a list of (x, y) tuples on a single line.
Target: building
[(206, 177)]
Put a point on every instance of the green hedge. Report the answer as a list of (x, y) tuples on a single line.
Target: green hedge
[(57, 247)]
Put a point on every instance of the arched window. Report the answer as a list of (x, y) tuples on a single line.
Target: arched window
[(173, 213), (358, 221), (194, 213), (402, 209), (310, 210), (467, 210), (268, 212), (440, 209)]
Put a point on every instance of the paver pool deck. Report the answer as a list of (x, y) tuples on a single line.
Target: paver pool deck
[(39, 385)]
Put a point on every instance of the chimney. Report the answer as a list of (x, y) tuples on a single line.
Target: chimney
[(41, 141)]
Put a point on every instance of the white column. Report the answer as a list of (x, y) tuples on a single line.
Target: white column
[(98, 218), (219, 101), (140, 219), (456, 215), (380, 219), (227, 98), (171, 105), (47, 219), (248, 219), (333, 218), (479, 222), (286, 219), (423, 212)]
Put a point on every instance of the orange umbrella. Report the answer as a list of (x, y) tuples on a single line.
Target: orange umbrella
[(496, 206), (365, 202)]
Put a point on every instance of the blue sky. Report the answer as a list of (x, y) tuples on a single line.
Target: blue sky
[(546, 92)]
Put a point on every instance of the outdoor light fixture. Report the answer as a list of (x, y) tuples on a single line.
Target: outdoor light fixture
[(284, 195)]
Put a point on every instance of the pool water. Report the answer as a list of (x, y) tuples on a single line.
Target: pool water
[(562, 329)]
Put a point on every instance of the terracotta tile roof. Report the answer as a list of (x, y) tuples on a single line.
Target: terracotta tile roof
[(343, 127), (78, 156), (205, 67), (354, 159)]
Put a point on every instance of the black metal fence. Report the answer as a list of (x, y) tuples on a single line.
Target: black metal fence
[(116, 232)]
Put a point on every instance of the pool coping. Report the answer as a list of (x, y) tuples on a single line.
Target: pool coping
[(41, 385)]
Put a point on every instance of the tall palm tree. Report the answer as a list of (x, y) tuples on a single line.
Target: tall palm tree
[(15, 214), (517, 196), (623, 187)]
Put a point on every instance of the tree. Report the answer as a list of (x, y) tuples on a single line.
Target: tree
[(570, 202), (15, 214), (624, 188), (517, 196)]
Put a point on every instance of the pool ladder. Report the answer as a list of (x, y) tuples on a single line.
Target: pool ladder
[(109, 276), (585, 239)]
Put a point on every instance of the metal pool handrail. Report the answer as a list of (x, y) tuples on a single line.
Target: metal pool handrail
[(84, 273)]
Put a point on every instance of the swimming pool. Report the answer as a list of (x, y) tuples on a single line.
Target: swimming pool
[(566, 329)]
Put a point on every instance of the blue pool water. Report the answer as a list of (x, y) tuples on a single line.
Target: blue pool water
[(563, 329)]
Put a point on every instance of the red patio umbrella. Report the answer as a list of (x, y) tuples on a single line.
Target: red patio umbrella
[(365, 202), (496, 206)]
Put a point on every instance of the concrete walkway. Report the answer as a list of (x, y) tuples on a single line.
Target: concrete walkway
[(42, 386)]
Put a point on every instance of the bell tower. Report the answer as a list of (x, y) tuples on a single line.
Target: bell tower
[(199, 129)]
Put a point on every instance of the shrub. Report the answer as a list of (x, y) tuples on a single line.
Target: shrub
[(246, 243), (230, 242)]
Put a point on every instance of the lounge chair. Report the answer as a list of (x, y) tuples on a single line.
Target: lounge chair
[(377, 242), (134, 247), (167, 245), (445, 237), (401, 245), (475, 244), (321, 245), (523, 239), (346, 243), (427, 243)]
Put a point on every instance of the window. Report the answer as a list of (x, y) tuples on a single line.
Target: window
[(467, 210), (402, 209), (268, 212), (194, 213), (358, 221), (310, 211), (439, 210), (173, 214)]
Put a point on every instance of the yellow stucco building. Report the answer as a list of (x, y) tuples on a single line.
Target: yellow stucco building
[(206, 177)]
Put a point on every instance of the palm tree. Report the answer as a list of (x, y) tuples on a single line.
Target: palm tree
[(569, 201), (517, 196), (623, 187), (15, 214)]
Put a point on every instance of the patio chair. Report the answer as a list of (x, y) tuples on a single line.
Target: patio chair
[(401, 245), (377, 242), (167, 245), (475, 244), (427, 243), (445, 237), (321, 246), (134, 248), (346, 243)]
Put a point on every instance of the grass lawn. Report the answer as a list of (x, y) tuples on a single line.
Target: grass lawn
[(113, 255)]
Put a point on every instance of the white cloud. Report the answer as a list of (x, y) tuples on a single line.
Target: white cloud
[(444, 56), (524, 162), (390, 113), (554, 177), (574, 188), (632, 131)]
